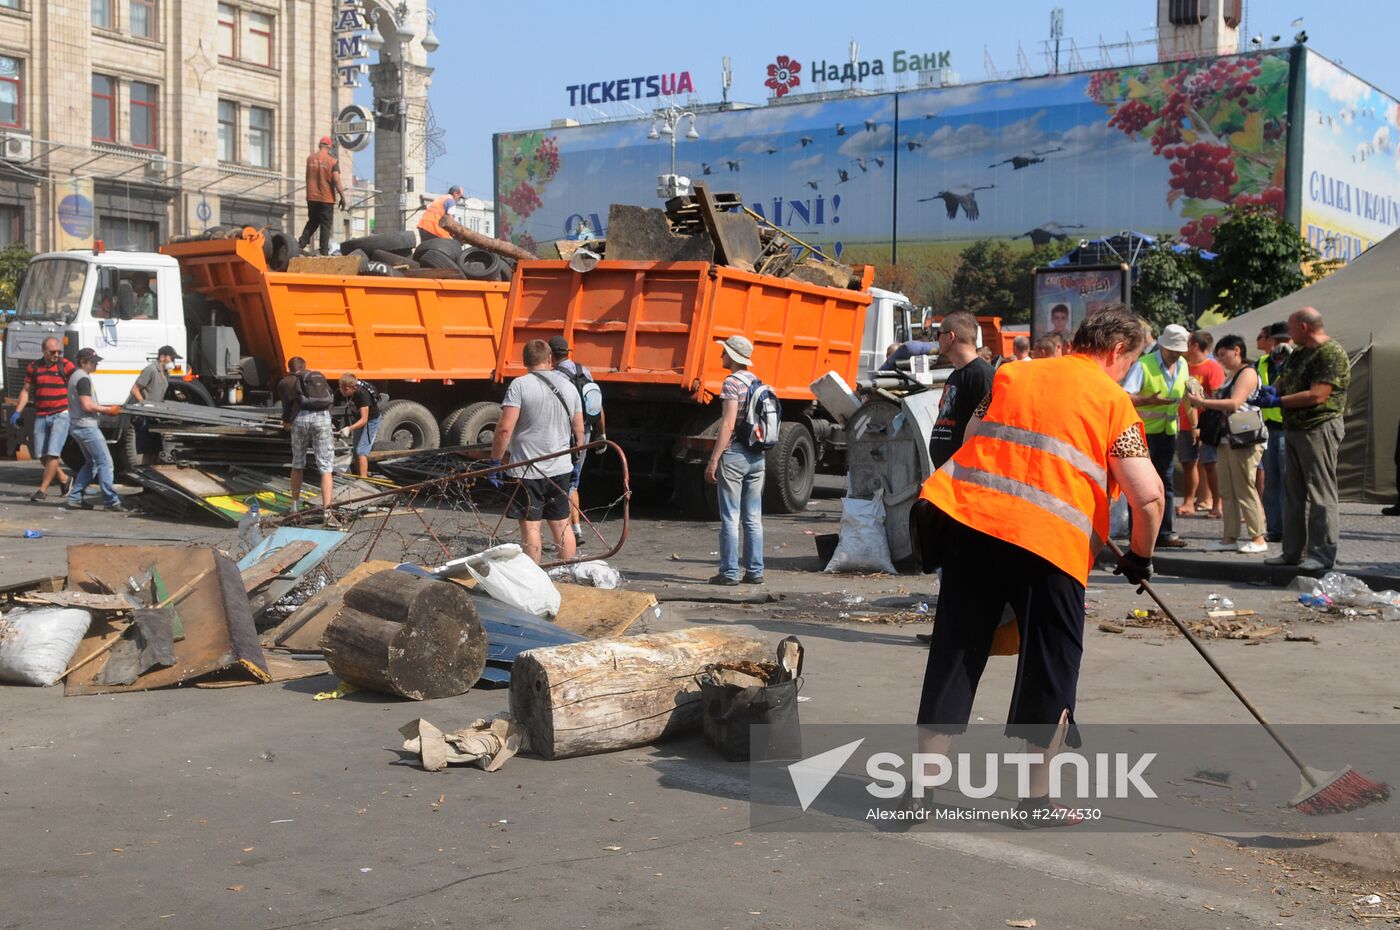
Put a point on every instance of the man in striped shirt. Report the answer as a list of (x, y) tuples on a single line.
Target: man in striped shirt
[(46, 384)]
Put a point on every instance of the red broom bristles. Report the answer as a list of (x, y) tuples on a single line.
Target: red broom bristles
[(1346, 792)]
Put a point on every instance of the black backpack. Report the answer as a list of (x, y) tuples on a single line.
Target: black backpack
[(314, 392)]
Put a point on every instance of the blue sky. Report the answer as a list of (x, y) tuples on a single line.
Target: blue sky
[(506, 67)]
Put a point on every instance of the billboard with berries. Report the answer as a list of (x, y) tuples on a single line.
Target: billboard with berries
[(1349, 185), (1164, 148)]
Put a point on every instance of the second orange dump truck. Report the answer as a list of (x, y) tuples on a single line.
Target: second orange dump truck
[(443, 349)]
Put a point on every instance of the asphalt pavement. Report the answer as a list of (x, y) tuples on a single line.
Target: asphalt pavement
[(258, 807)]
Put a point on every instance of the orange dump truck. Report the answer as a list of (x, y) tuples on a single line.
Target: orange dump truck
[(649, 332), (430, 344)]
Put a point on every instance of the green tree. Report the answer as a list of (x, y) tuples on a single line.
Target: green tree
[(1162, 290), (13, 260), (986, 280), (1259, 258)]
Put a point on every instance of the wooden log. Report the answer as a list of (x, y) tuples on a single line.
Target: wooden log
[(406, 635), (609, 694), (481, 241)]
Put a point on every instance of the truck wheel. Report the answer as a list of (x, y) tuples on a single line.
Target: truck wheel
[(475, 423), (124, 454), (439, 253), (480, 265), (407, 424), (790, 469), (401, 241), (189, 392), (692, 495)]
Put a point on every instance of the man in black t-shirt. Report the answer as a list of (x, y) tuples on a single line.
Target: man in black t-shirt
[(965, 388), (362, 426)]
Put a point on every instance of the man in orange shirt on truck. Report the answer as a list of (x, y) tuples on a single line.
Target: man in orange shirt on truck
[(429, 227), (323, 188)]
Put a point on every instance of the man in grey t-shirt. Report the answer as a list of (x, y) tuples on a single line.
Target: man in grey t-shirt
[(540, 415), (150, 388)]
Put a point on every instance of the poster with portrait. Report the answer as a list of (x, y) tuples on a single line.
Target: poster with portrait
[(1065, 296)]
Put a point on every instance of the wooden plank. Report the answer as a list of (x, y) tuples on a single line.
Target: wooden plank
[(110, 603), (302, 631), (595, 613), (266, 569), (279, 668), (325, 264)]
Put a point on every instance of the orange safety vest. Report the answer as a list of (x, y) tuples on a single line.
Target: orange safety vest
[(1036, 474), (433, 214)]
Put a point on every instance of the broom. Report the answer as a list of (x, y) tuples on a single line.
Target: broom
[(1322, 792)]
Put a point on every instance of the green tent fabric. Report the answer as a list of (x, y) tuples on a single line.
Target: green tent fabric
[(1360, 307)]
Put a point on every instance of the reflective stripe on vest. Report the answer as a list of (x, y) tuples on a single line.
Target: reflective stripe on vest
[(432, 216), (1271, 414), (1161, 418), (1035, 471)]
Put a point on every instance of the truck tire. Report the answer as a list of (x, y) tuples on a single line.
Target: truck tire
[(439, 253), (189, 392), (692, 495), (790, 469), (363, 259), (124, 454), (402, 241), (392, 259), (407, 424), (279, 249), (480, 265), (472, 424)]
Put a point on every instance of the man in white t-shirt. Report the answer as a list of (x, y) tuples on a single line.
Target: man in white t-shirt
[(540, 416)]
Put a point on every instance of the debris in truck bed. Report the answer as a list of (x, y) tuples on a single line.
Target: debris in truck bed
[(643, 234), (326, 264)]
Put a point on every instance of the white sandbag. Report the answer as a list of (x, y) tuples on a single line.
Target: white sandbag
[(510, 576), (596, 573), (863, 546), (37, 645)]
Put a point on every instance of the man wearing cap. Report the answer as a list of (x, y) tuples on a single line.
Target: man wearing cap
[(323, 189), (540, 416), (430, 226), (1157, 383), (579, 376), (737, 471), (1274, 346), (150, 389), (83, 413)]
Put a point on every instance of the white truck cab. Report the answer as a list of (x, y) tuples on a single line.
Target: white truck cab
[(125, 305)]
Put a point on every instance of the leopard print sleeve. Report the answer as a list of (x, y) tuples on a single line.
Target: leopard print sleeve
[(1130, 445), (981, 411)]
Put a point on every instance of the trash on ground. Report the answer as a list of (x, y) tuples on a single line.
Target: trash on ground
[(339, 691), (595, 574), (863, 546), (408, 635), (589, 697), (485, 743), (738, 696), (36, 645), (1342, 590), (510, 576)]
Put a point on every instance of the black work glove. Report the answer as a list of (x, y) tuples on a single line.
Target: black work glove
[(1136, 568)]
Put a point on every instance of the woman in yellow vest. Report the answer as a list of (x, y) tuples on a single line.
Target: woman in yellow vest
[(1023, 510), (429, 227)]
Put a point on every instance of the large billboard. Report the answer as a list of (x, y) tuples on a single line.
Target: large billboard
[(1160, 149), (1350, 179)]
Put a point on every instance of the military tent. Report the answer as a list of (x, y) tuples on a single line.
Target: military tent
[(1360, 307)]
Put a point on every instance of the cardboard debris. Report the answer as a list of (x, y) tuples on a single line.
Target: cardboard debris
[(596, 613), (219, 631), (487, 744), (280, 668)]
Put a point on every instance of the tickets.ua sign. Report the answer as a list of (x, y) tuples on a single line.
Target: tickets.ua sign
[(635, 88)]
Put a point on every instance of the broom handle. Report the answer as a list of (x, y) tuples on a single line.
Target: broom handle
[(1215, 666)]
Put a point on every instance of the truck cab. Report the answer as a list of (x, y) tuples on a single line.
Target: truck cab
[(125, 305)]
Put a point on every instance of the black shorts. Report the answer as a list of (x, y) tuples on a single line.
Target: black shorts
[(981, 576), (540, 498)]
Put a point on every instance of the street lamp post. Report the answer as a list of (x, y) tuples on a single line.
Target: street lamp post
[(392, 34), (664, 123)]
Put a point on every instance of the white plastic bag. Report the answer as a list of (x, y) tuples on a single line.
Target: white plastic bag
[(37, 645), (510, 576), (863, 546), (597, 573)]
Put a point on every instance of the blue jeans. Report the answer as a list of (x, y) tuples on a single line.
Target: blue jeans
[(1272, 467), (97, 463), (50, 433), (740, 488), (362, 439)]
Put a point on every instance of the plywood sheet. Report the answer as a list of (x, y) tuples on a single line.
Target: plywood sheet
[(596, 613)]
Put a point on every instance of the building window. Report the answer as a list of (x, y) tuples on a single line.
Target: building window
[(11, 222), (104, 108), (228, 31), (259, 137), (257, 39), (124, 232), (142, 16), (228, 130), (9, 4), (11, 92), (145, 104), (102, 16)]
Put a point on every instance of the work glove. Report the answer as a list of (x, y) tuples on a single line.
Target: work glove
[(495, 480), (1137, 569), (343, 204), (14, 418), (1268, 397), (344, 432)]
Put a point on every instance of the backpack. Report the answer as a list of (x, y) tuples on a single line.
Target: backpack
[(314, 392), (591, 397), (763, 416), (376, 399)]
